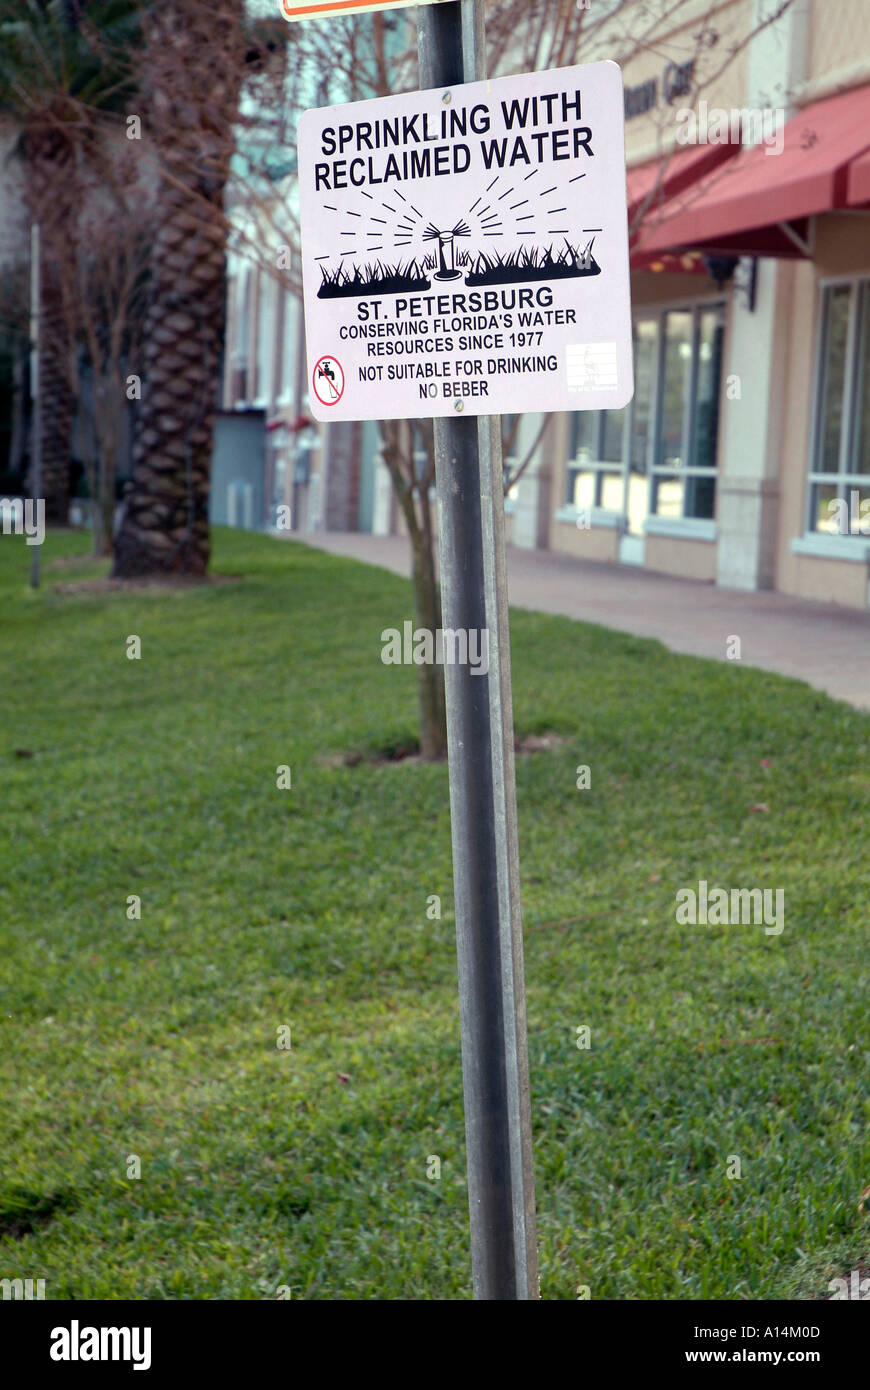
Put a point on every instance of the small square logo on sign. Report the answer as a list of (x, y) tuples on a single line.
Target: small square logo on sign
[(467, 249), (591, 366)]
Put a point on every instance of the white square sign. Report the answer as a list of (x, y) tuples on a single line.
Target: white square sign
[(466, 250)]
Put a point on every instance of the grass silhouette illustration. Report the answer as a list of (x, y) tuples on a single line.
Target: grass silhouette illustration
[(532, 264), (524, 264), (375, 279)]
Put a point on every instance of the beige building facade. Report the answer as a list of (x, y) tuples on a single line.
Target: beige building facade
[(744, 458)]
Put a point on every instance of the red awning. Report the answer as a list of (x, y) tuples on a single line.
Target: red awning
[(649, 185), (858, 191), (760, 203)]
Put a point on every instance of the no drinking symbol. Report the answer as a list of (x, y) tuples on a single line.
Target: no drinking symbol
[(328, 381)]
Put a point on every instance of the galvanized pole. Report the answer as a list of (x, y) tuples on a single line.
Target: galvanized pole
[(295, 489), (35, 396), (495, 1067)]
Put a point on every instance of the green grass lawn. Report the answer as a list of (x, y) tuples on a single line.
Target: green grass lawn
[(306, 907)]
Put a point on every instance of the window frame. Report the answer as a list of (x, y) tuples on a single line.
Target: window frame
[(656, 313), (690, 421), (597, 465), (842, 480)]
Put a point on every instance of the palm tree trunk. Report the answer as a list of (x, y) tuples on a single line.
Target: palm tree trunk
[(50, 176), (55, 407), (193, 69)]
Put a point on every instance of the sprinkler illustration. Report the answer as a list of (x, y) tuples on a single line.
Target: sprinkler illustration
[(447, 249)]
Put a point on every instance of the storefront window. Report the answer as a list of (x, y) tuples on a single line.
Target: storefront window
[(862, 433), (711, 332), (835, 328), (643, 404), (839, 475), (597, 440), (612, 430), (684, 474), (675, 389), (823, 497), (642, 423), (670, 428)]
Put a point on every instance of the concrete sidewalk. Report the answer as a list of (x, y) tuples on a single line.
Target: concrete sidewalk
[(822, 644)]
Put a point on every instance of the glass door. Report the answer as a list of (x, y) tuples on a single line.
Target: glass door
[(639, 442)]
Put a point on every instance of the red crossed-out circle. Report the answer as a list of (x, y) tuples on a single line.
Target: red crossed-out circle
[(328, 380)]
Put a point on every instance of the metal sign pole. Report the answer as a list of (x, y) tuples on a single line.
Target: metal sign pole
[(36, 415), (495, 1067)]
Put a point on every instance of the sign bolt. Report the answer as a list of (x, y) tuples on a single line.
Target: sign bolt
[(447, 98), (458, 405)]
